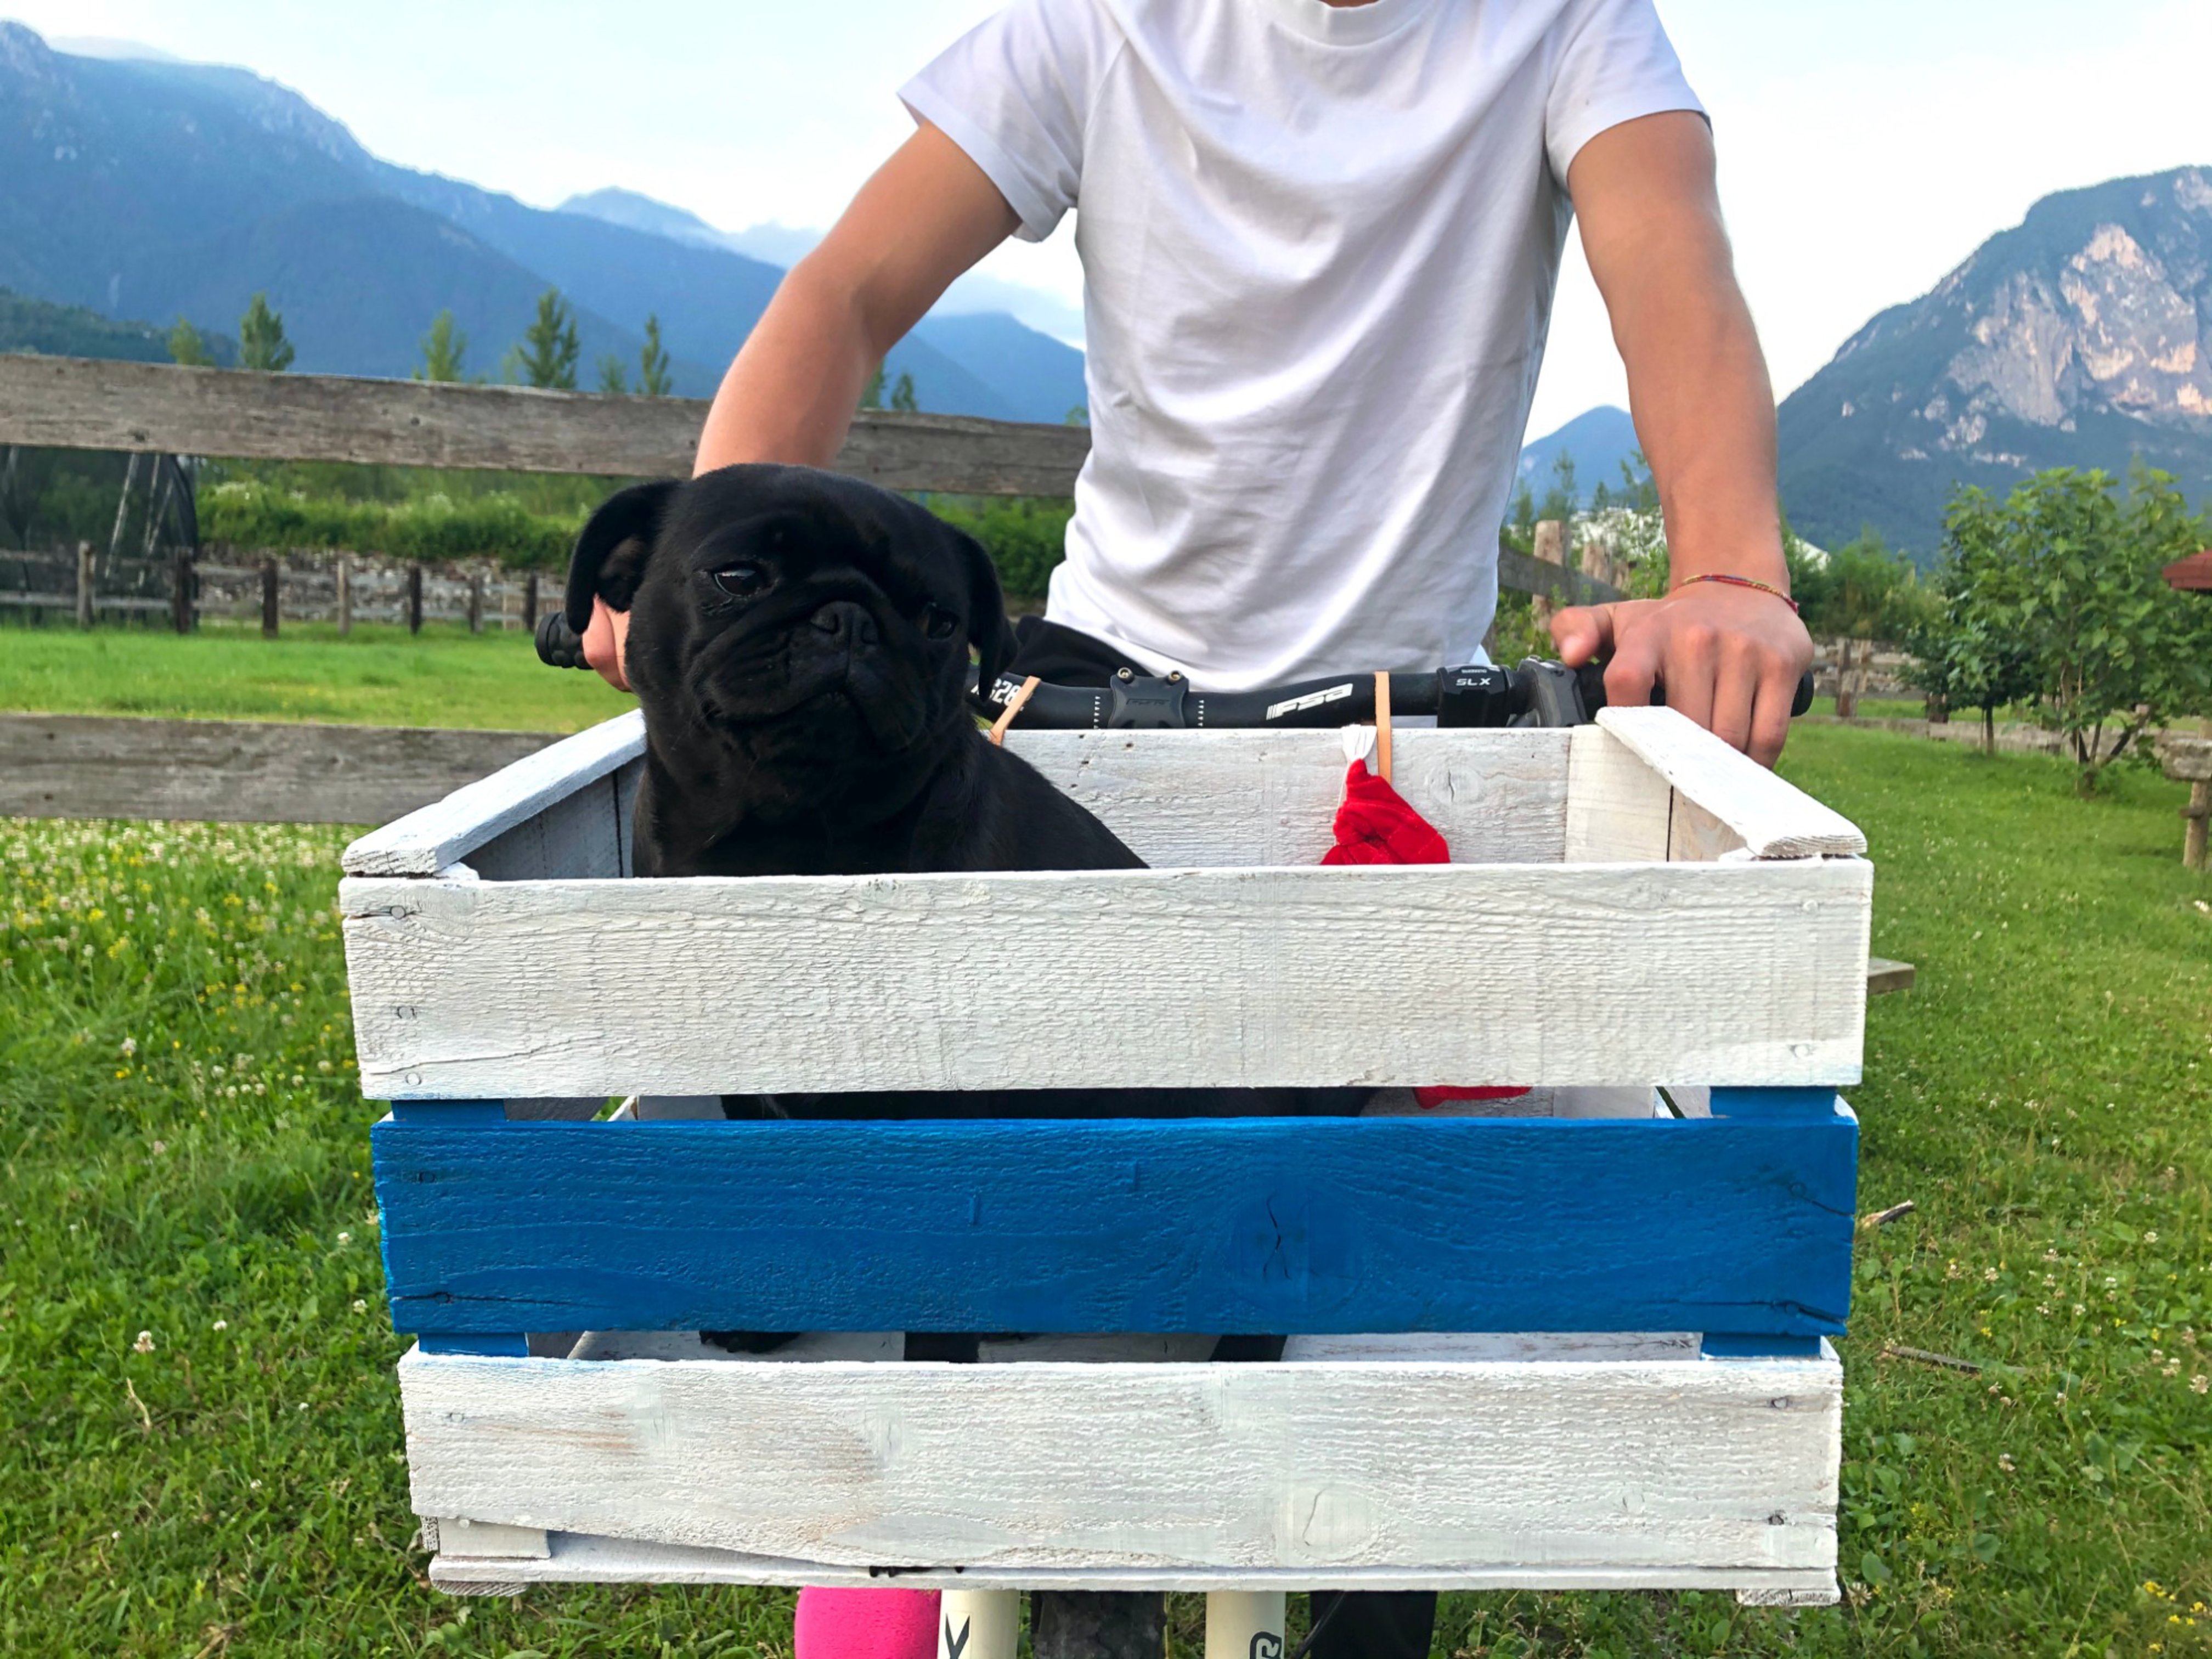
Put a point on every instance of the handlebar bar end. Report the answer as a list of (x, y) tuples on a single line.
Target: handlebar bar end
[(559, 646)]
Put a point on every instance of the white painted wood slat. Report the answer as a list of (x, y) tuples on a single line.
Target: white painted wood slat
[(1634, 1466), (1737, 973), (425, 841), (1207, 799), (1774, 819), (582, 1559)]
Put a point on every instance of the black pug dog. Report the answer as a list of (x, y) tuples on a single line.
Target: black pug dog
[(799, 642)]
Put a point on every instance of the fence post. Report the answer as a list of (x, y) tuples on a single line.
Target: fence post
[(84, 583), (183, 581), (476, 600), (530, 602), (345, 595), (413, 598), (1847, 697), (1551, 549), (268, 600)]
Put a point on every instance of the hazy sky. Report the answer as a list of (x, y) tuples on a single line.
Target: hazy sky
[(1867, 146)]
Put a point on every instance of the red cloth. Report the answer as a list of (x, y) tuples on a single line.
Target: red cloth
[(1376, 826)]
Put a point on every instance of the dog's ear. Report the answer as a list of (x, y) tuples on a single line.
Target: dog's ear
[(989, 630), (611, 553)]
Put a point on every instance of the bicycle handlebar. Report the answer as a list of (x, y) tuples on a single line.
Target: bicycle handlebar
[(1537, 693)]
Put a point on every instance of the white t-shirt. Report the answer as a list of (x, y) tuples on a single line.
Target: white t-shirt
[(1320, 245)]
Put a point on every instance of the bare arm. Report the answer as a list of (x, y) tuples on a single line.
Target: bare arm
[(1730, 658), (928, 215)]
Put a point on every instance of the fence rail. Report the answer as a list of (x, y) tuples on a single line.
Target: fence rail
[(66, 766), (74, 403)]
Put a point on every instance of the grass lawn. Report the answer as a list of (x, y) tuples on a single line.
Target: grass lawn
[(379, 676), (199, 1443)]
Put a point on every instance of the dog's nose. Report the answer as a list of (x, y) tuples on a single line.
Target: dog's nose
[(843, 617)]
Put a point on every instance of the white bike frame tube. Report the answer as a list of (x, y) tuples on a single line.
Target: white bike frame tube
[(979, 1624), (1244, 1625)]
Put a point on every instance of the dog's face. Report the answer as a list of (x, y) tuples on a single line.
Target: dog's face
[(801, 638)]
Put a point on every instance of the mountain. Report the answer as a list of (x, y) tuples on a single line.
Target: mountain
[(1600, 440), (42, 327), (1033, 375), (972, 292), (2081, 337), (154, 189)]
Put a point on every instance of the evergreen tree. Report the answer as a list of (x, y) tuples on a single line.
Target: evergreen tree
[(261, 342), (613, 382), (1561, 500), (871, 395), (550, 350), (443, 348), (186, 347), (653, 379), (902, 398)]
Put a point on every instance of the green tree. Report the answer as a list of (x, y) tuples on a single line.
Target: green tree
[(871, 395), (1861, 591), (186, 347), (1561, 500), (902, 397), (613, 382), (1520, 523), (653, 379), (2065, 573), (443, 348), (548, 351), (261, 342)]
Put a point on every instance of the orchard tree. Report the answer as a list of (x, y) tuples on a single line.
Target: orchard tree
[(871, 395), (2066, 572), (653, 379), (902, 397), (613, 381), (443, 348), (550, 350), (261, 342)]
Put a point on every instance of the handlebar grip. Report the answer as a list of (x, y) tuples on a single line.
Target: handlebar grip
[(1803, 700), (559, 646)]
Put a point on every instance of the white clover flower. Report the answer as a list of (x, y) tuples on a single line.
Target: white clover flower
[(144, 1344), (345, 1238), (360, 1306), (222, 1324)]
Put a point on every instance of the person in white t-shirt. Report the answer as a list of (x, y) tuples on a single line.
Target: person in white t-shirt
[(1319, 241)]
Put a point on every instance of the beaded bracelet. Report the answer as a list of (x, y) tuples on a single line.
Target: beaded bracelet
[(1738, 581)]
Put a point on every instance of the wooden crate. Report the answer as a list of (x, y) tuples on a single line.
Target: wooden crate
[(1604, 1360)]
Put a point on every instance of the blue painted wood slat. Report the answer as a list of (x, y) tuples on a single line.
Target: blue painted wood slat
[(1280, 1225)]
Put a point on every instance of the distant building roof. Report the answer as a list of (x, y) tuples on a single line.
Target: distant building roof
[(2192, 574)]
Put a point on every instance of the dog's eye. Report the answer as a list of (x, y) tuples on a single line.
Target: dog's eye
[(938, 622), (742, 580)]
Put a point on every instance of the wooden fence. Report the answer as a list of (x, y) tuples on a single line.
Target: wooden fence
[(72, 402), (234, 584), (95, 767)]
